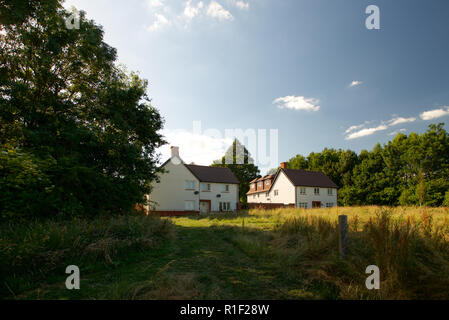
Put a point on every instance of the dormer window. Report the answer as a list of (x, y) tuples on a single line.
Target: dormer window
[(267, 182)]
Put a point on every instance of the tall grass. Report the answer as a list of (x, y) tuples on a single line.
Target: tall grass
[(411, 251), (31, 251)]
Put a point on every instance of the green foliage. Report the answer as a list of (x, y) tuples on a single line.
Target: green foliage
[(84, 128), (409, 170), (40, 248), (242, 166)]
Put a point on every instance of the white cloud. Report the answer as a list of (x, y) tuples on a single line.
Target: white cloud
[(397, 131), (355, 83), (242, 5), (436, 113), (201, 149), (352, 128), (216, 10), (191, 11), (155, 3), (297, 103), (366, 132), (399, 120), (160, 21)]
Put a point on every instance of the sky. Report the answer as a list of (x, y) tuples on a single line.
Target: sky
[(309, 69)]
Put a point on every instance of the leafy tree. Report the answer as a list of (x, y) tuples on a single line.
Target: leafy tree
[(71, 116), (242, 166)]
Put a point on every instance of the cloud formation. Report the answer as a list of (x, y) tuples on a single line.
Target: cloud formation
[(435, 113), (355, 83), (297, 103), (216, 10), (399, 120), (366, 132), (159, 22)]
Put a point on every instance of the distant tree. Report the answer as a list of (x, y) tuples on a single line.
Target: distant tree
[(242, 166), (78, 134)]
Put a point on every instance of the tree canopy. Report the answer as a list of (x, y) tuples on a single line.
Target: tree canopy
[(78, 133)]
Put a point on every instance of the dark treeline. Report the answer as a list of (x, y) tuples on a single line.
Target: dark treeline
[(409, 170)]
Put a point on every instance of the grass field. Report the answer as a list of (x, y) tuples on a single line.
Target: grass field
[(272, 254)]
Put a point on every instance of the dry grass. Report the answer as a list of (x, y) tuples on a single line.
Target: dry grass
[(410, 247)]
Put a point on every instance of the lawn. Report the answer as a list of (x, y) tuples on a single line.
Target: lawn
[(273, 254)]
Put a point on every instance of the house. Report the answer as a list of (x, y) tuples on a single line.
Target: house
[(191, 189), (293, 188)]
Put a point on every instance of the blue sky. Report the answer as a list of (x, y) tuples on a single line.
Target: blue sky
[(286, 65)]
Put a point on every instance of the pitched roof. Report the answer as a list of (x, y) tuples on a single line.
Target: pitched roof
[(213, 174), (309, 178)]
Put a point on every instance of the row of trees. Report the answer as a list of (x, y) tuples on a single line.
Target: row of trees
[(409, 170), (77, 133)]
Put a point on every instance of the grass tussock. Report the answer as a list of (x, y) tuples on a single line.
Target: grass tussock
[(33, 251)]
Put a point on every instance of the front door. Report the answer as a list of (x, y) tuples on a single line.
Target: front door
[(316, 204), (204, 206)]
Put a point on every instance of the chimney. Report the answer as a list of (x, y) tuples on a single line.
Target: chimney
[(174, 151), (283, 165)]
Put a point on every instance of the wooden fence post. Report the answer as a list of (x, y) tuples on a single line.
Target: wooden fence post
[(342, 234)]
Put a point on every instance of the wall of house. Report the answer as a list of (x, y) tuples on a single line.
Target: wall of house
[(286, 192), (310, 196), (215, 189), (170, 193)]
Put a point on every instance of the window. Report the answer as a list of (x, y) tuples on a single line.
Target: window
[(189, 205), (253, 185), (276, 192), (302, 205), (259, 184), (316, 191), (190, 184), (329, 205), (258, 195), (225, 188), (329, 191), (267, 182), (205, 187), (225, 206), (266, 194), (302, 190)]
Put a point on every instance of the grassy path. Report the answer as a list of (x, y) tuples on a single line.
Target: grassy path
[(206, 260)]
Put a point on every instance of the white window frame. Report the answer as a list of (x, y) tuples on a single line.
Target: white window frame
[(302, 191), (276, 192), (302, 205), (330, 192), (205, 187), (225, 187), (316, 191)]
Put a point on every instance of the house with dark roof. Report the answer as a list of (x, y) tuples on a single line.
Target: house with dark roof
[(190, 189), (293, 188)]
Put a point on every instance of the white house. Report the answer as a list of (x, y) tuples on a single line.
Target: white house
[(294, 188), (190, 189)]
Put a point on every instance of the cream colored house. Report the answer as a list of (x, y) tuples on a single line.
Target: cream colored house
[(294, 188), (189, 189)]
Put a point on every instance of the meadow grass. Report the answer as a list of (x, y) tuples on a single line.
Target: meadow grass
[(256, 254)]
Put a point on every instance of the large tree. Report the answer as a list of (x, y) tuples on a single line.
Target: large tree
[(238, 159), (81, 128)]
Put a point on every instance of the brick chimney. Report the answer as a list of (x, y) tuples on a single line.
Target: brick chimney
[(174, 151), (283, 165)]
